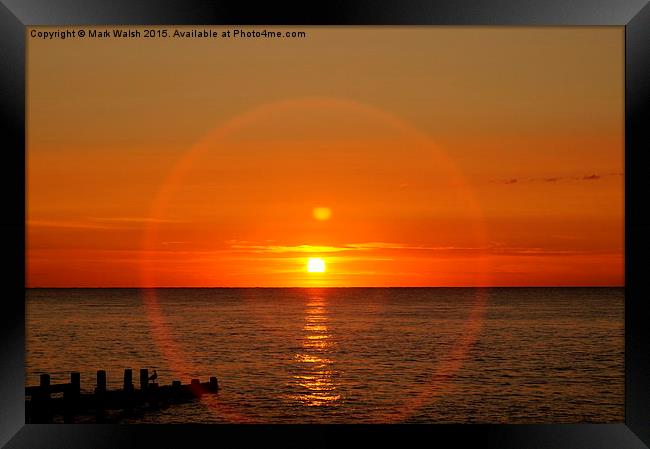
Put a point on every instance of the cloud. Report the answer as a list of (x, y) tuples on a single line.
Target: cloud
[(554, 179), (383, 245), (65, 224), (375, 245), (289, 248), (358, 247), (133, 220), (99, 223), (496, 248)]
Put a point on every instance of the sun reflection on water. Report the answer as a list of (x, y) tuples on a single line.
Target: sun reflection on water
[(314, 378)]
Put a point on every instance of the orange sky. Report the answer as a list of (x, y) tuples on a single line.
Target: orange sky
[(454, 156)]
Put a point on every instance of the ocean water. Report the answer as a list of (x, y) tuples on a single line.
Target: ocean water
[(422, 355)]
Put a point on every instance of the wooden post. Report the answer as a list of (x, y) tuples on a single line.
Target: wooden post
[(144, 379), (128, 380), (71, 397), (101, 381), (214, 383), (100, 393), (176, 391), (45, 384), (127, 397), (75, 384), (41, 401), (45, 393)]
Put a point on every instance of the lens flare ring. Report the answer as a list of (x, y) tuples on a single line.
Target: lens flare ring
[(441, 374)]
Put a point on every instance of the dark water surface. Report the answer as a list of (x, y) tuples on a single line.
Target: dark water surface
[(444, 355)]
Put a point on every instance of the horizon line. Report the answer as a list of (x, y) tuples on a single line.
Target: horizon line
[(308, 287)]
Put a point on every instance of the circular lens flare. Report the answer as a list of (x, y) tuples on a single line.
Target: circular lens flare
[(322, 213), (440, 376)]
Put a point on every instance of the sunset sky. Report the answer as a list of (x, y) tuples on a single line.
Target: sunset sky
[(420, 156)]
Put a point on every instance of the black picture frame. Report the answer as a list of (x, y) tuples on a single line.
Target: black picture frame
[(634, 15)]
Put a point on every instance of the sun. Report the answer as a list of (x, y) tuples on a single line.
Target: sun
[(315, 265)]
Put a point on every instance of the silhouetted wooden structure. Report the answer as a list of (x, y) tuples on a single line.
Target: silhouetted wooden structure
[(45, 400)]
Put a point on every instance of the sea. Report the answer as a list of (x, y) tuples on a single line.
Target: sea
[(345, 355)]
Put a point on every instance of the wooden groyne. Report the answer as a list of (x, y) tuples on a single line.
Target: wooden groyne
[(45, 402)]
